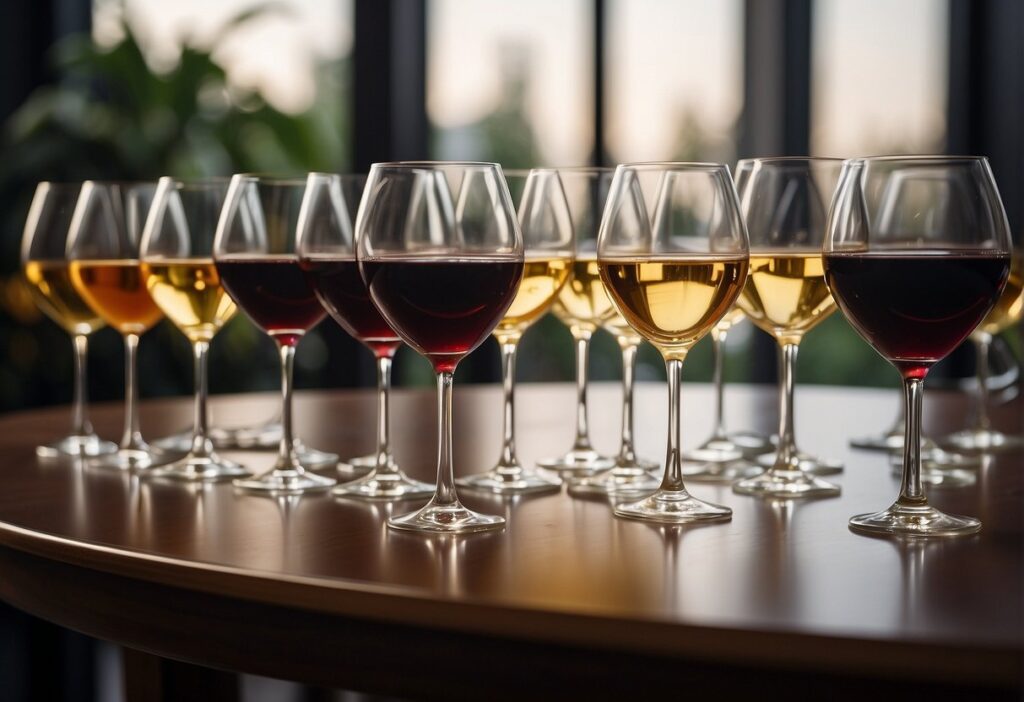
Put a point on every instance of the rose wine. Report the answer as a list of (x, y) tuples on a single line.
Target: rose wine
[(116, 290), (443, 308), (674, 302), (275, 294), (56, 296), (785, 293), (583, 302), (543, 278), (190, 293), (915, 308), (340, 287), (1008, 307)]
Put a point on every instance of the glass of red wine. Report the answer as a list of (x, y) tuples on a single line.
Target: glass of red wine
[(914, 275), (254, 251), (327, 249), (440, 250)]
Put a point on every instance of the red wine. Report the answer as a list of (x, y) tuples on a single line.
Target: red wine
[(915, 308), (343, 293), (443, 309), (274, 293)]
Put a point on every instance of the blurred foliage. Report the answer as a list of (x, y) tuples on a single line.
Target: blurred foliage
[(110, 116)]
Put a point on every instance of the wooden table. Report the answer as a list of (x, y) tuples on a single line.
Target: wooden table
[(567, 601)]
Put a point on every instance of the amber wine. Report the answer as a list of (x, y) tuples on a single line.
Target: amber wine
[(1008, 308), (190, 294), (583, 302), (543, 278), (786, 294), (674, 302), (56, 296), (116, 291), (732, 317)]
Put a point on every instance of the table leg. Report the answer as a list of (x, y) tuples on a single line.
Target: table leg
[(149, 678)]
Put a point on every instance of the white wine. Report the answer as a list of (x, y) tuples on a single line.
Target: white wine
[(673, 302), (543, 278), (190, 294), (786, 294), (583, 302), (56, 296)]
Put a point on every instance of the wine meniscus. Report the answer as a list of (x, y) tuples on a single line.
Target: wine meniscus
[(56, 296), (543, 279), (116, 290), (583, 302), (785, 294), (674, 302), (190, 293)]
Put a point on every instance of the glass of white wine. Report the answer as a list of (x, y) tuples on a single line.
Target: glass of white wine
[(103, 247), (548, 243), (673, 256), (785, 204), (583, 307), (177, 261), (48, 271)]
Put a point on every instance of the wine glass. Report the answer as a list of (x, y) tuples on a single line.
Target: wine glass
[(177, 262), (254, 252), (48, 272), (673, 256), (1007, 312), (440, 250), (103, 247), (785, 204), (583, 306), (914, 283), (327, 251), (548, 245)]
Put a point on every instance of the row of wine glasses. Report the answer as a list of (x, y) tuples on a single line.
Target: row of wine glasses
[(437, 258)]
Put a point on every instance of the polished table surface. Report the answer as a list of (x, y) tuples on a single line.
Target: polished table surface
[(781, 587)]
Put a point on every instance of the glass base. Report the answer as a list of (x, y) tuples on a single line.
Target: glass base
[(785, 484), (578, 461), (808, 463), (750, 443), (939, 477), (510, 481), (86, 446), (285, 481), (143, 457), (384, 486), (673, 507), (620, 480), (714, 451), (982, 440), (260, 437), (889, 442), (248, 439), (919, 520), (201, 469), (447, 519), (717, 472)]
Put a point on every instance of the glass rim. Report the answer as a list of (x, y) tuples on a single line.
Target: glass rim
[(793, 159), (918, 158), (414, 165), (709, 166), (585, 170), (525, 172), (270, 179), (195, 183), (329, 174)]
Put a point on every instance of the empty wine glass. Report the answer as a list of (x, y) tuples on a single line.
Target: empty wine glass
[(548, 245), (254, 251), (440, 250), (177, 260), (44, 259), (785, 204), (673, 257), (103, 247), (915, 275), (583, 306), (327, 250)]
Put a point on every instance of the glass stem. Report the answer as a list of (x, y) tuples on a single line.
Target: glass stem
[(673, 480), (80, 425), (627, 452), (911, 493), (444, 494), (508, 463), (202, 447), (132, 438), (718, 337), (787, 458), (582, 442), (384, 462), (982, 343), (287, 460)]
